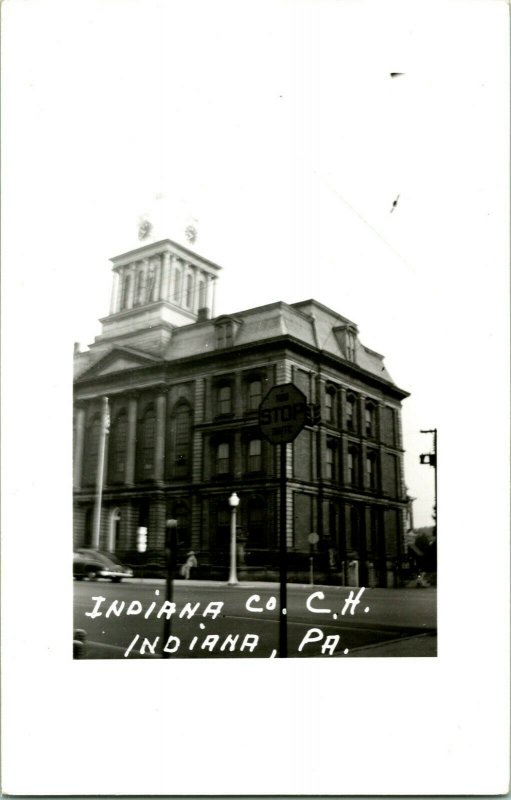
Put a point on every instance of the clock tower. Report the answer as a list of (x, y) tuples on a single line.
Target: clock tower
[(156, 287)]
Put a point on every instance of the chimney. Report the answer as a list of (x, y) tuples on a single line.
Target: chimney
[(77, 348), (203, 314)]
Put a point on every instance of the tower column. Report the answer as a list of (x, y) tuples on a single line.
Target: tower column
[(115, 293), (157, 278), (132, 273), (165, 284), (160, 436), (78, 447), (131, 440)]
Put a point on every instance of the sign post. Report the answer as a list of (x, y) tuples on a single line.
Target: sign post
[(282, 415), (313, 539), (171, 559)]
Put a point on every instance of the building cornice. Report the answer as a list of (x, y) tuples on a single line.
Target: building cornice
[(156, 248), (228, 355)]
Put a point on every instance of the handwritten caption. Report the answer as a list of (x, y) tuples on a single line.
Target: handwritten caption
[(226, 643)]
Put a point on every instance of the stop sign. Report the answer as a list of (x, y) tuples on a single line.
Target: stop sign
[(282, 413)]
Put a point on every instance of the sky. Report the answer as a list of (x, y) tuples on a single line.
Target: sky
[(277, 129)]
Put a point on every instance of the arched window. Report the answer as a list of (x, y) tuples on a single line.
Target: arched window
[(146, 443), (202, 294), (254, 394), (188, 300), (118, 447), (182, 429), (330, 415), (140, 287), (331, 458), (350, 412), (92, 450), (369, 419), (254, 455), (352, 466), (371, 471), (177, 284), (222, 458), (125, 294)]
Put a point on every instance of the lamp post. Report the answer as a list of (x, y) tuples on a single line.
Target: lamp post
[(234, 502)]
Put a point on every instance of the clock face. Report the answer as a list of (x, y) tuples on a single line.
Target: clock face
[(144, 229), (191, 234)]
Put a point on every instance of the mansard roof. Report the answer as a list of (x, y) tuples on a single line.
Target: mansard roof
[(309, 322)]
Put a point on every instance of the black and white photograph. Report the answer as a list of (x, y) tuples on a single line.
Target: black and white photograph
[(255, 518)]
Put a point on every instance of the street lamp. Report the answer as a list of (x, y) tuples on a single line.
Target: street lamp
[(234, 502)]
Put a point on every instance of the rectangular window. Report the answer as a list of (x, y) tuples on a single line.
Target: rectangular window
[(330, 463), (371, 471), (224, 400), (329, 406), (222, 459), (254, 455), (352, 467), (350, 413)]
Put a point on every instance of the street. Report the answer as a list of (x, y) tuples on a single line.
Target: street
[(213, 620)]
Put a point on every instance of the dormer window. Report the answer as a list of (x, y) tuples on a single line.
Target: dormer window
[(350, 344), (346, 336), (224, 334)]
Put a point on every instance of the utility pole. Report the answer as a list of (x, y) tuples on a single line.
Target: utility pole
[(431, 459), (100, 471)]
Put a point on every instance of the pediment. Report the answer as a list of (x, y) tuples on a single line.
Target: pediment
[(120, 359)]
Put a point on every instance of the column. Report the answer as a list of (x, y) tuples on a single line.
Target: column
[(184, 273), (361, 422), (78, 448), (115, 293), (237, 404), (342, 414), (213, 293), (132, 439), (363, 457), (158, 283), (159, 456), (238, 456), (165, 285), (132, 272)]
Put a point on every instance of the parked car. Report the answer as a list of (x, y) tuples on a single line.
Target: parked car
[(94, 564)]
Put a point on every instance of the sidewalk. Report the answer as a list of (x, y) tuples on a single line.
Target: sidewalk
[(421, 646)]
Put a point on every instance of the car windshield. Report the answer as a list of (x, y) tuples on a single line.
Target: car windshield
[(106, 558)]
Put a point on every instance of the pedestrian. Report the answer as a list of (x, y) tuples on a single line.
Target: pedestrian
[(190, 563)]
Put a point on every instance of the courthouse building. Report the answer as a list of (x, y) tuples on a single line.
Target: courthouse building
[(179, 429)]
